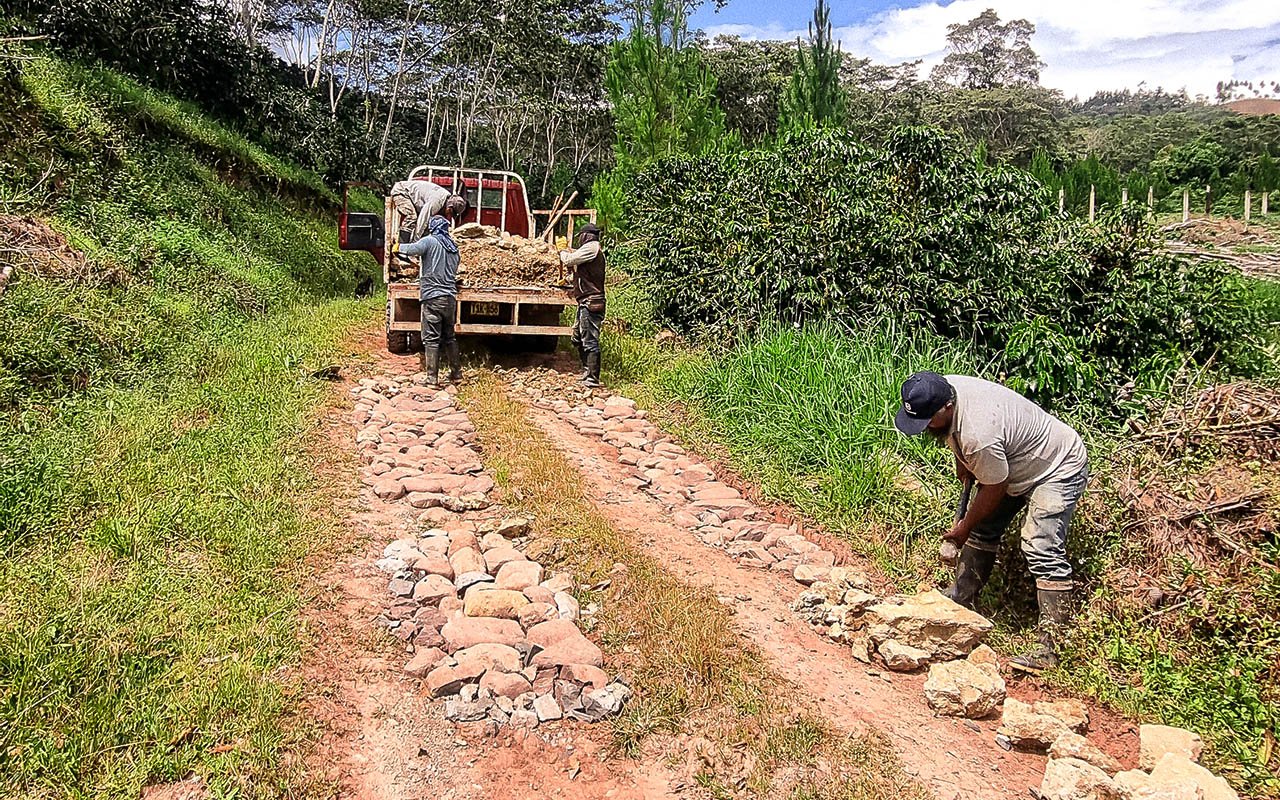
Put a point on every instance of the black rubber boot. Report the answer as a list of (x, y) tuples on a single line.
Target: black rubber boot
[(973, 569), (592, 376), (431, 366), (1055, 613), (455, 362)]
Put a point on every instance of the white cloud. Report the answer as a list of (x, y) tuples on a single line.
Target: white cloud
[(1088, 45)]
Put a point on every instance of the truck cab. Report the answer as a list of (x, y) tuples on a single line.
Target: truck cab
[(532, 315)]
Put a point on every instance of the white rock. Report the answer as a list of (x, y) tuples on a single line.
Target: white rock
[(1072, 745), (929, 622), (1177, 768), (1073, 779), (1040, 724), (969, 688), (901, 657), (1156, 740)]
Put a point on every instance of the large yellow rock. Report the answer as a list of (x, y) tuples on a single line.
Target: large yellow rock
[(500, 603)]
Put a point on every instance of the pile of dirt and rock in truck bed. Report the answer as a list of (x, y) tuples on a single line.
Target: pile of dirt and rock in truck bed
[(491, 257)]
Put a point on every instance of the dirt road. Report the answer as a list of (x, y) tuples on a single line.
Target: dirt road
[(380, 734)]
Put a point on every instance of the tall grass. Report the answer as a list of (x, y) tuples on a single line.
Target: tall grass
[(809, 415)]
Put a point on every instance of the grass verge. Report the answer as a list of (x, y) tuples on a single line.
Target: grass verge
[(149, 611), (690, 667)]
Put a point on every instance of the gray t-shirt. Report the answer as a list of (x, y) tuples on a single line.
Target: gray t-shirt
[(438, 275), (1000, 435)]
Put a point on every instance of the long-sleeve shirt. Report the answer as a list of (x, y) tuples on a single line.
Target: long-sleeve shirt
[(587, 263), (428, 200), (438, 275)]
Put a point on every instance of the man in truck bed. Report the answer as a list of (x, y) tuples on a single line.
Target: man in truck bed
[(587, 263), (438, 290), (419, 201)]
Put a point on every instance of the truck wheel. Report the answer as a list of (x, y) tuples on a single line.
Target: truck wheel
[(404, 342)]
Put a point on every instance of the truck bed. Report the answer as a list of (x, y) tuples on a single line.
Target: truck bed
[(519, 310)]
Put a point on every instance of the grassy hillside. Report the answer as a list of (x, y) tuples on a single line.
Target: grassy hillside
[(175, 288)]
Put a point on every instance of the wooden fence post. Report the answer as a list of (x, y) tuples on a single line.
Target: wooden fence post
[(1124, 196), (1062, 200), (1265, 197), (1151, 198), (1092, 198), (1208, 201), (1186, 204), (1248, 205)]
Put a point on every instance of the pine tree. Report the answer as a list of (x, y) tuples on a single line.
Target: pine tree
[(816, 98)]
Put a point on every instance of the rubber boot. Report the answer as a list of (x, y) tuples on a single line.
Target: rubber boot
[(1055, 613), (592, 376), (582, 359), (431, 366), (455, 362), (973, 569)]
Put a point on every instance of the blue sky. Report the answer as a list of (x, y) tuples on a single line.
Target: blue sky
[(1088, 45)]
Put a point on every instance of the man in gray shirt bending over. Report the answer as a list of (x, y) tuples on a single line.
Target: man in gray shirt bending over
[(1020, 457), (438, 290)]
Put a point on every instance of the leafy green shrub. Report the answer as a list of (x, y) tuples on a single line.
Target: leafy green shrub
[(825, 228)]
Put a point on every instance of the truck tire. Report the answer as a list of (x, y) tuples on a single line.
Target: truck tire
[(403, 343)]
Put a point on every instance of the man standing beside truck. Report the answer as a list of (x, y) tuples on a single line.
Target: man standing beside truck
[(419, 201), (587, 263), (438, 291)]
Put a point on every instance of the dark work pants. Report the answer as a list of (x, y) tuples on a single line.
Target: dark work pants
[(586, 330), (439, 315)]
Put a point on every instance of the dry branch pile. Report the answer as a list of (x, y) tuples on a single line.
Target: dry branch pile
[(1241, 417), (1189, 534), (493, 258), (1213, 239), (28, 245)]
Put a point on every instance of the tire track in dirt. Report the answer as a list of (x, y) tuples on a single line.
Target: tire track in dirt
[(954, 758)]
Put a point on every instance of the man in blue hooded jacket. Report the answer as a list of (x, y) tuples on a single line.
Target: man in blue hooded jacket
[(438, 290)]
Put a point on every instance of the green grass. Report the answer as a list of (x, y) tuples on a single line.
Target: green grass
[(155, 410), (150, 588)]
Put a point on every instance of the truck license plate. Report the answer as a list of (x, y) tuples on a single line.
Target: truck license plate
[(485, 309)]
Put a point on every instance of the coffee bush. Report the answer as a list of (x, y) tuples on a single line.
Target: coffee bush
[(823, 227)]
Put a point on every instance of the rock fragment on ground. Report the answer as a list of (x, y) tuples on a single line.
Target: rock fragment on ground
[(1154, 741), (1038, 725), (1072, 745), (1073, 779), (970, 687)]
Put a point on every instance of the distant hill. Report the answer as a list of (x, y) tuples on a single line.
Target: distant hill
[(1255, 107)]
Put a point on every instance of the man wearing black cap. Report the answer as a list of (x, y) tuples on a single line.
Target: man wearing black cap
[(1020, 456), (587, 263)]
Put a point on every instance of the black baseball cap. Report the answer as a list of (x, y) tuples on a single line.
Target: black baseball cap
[(923, 395)]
